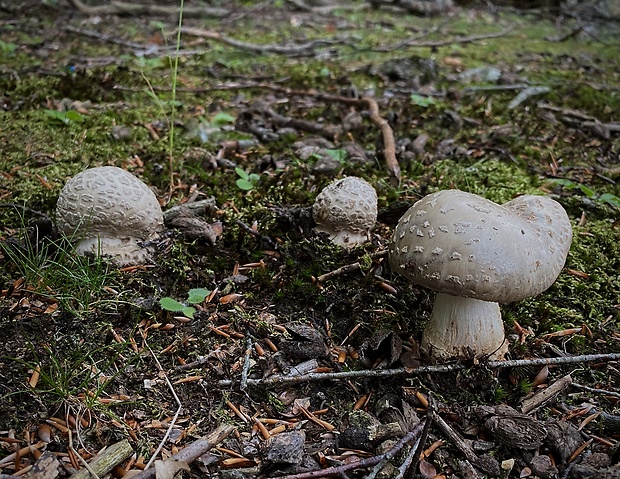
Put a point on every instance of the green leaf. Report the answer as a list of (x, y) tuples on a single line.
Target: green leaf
[(170, 304), (157, 24), (587, 191), (7, 48), (65, 117), (244, 184), (610, 199), (242, 173), (73, 115), (222, 118), (197, 295), (339, 154), (189, 312), (563, 182), (420, 100)]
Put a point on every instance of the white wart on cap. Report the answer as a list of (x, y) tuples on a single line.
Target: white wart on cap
[(467, 247), (346, 210), (110, 212)]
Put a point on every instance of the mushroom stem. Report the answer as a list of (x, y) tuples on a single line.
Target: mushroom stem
[(464, 327)]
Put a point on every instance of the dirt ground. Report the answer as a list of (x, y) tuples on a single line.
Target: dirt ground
[(249, 345)]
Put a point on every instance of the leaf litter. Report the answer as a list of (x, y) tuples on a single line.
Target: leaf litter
[(298, 359)]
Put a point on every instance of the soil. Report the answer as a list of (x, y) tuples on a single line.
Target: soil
[(290, 354)]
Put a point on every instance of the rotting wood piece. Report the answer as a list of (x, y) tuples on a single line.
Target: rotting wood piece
[(107, 460), (543, 397)]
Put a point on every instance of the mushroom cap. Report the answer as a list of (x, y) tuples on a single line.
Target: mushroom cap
[(346, 209), (462, 244), (108, 208)]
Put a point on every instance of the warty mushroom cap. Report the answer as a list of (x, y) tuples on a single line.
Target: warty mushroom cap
[(464, 245), (346, 209), (110, 211)]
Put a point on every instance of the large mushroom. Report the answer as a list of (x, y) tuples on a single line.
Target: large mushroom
[(346, 210), (475, 253), (110, 212)]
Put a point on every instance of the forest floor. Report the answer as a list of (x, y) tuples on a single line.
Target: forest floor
[(287, 371)]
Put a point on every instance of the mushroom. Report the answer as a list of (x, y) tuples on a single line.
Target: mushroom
[(110, 212), (346, 210), (475, 253)]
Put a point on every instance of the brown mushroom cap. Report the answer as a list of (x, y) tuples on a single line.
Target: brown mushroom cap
[(462, 244)]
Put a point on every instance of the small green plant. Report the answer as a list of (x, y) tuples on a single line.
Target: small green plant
[(195, 296), (246, 181), (64, 117), (54, 269), (419, 100), (7, 48), (338, 154), (81, 372), (173, 104), (608, 198)]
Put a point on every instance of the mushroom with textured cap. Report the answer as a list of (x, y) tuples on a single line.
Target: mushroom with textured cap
[(346, 210), (475, 254), (110, 212)]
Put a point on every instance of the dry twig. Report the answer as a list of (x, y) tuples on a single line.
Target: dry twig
[(440, 368), (449, 41), (130, 8), (176, 414), (486, 464), (339, 471), (296, 49)]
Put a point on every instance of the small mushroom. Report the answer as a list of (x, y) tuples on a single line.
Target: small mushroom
[(110, 212), (476, 253), (346, 210)]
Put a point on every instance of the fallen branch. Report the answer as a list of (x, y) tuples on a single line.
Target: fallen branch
[(603, 392), (339, 471), (321, 10), (368, 103), (449, 41), (347, 268), (389, 144), (295, 49), (137, 9), (265, 239), (114, 39), (485, 463), (194, 450), (417, 7), (331, 132), (440, 368)]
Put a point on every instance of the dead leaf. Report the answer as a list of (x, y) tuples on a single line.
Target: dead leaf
[(427, 470), (34, 379), (541, 377), (167, 469), (45, 433)]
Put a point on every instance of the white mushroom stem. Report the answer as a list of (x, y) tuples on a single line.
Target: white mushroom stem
[(465, 327), (344, 238)]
